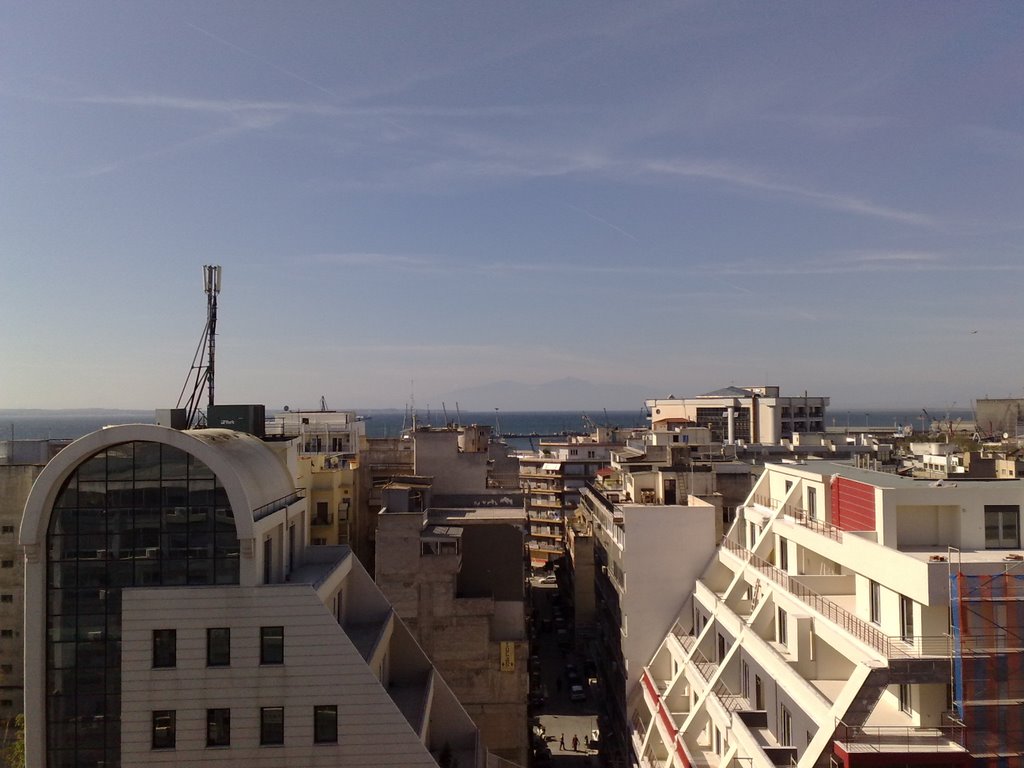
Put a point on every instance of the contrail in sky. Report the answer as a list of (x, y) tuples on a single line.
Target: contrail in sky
[(595, 217)]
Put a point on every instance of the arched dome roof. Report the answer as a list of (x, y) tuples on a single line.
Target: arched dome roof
[(249, 470)]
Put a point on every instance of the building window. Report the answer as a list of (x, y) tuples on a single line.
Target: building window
[(785, 726), (8, 529), (163, 729), (904, 694), (906, 618), (325, 724), (272, 725), (218, 727), (6, 598), (271, 645), (812, 502), (783, 554), (218, 647), (875, 602), (6, 633), (758, 693), (7, 564), (745, 680), (165, 647), (6, 668), (1002, 526), (783, 628)]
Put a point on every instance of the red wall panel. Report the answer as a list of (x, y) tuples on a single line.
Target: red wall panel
[(853, 505)]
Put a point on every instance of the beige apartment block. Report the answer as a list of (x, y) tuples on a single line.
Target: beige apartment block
[(176, 614), (747, 414), (452, 566), (21, 461)]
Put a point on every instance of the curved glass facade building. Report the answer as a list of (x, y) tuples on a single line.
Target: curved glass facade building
[(137, 514)]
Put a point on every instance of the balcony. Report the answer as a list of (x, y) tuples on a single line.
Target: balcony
[(909, 745), (326, 518), (888, 646)]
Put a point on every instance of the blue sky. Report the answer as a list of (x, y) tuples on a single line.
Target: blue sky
[(432, 196)]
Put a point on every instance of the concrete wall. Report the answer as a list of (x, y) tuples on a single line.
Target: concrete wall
[(322, 666), (666, 549), (15, 484)]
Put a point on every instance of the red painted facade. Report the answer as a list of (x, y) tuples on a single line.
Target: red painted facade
[(853, 505)]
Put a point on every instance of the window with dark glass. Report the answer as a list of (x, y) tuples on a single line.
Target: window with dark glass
[(271, 645), (876, 602), (165, 647), (325, 724), (272, 725), (906, 618), (783, 627), (1002, 526), (163, 728), (218, 727), (218, 647)]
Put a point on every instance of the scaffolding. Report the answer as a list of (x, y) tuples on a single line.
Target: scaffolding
[(987, 619)]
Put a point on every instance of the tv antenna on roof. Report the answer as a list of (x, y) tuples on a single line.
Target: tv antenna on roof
[(201, 376)]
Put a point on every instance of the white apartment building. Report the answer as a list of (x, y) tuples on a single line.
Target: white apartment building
[(747, 414), (644, 552), (819, 633), (175, 614)]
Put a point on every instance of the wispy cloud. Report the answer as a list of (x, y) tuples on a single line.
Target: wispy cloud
[(862, 262), (374, 260), (756, 180)]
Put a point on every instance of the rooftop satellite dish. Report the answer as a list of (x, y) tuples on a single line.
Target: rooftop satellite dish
[(286, 409), (1005, 435)]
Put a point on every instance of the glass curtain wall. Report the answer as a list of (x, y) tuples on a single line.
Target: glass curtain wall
[(138, 514)]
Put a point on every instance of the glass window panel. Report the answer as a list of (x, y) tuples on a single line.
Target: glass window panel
[(174, 463), (91, 495), (62, 575), (227, 571), (200, 571), (65, 521), (272, 725), (94, 468), (271, 645), (147, 461), (68, 497), (325, 724), (147, 573), (218, 727), (175, 572)]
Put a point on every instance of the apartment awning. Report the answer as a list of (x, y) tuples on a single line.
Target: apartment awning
[(551, 466)]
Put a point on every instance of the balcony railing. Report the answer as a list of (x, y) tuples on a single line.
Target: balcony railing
[(801, 516), (903, 739), (888, 646)]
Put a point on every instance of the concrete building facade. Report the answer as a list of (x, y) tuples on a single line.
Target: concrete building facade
[(747, 414), (820, 630), (21, 461), (453, 568), (177, 615)]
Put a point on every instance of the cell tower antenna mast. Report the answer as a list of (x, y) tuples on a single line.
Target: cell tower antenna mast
[(211, 284), (202, 377)]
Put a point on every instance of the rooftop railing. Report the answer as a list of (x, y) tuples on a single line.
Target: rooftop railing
[(277, 504)]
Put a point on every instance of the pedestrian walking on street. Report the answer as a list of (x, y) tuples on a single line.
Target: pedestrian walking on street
[(575, 743), (561, 742)]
